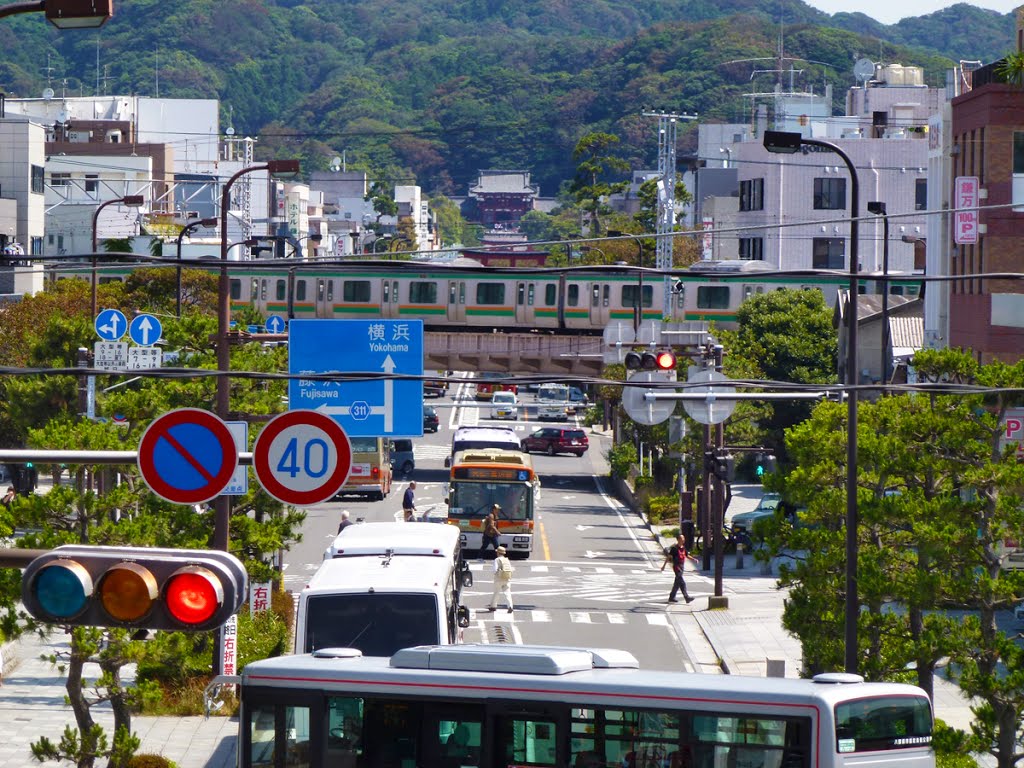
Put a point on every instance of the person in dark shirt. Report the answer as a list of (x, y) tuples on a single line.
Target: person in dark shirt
[(490, 530), (345, 522), (408, 502), (676, 554)]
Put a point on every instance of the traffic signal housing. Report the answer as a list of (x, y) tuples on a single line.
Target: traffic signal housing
[(188, 590), (660, 360)]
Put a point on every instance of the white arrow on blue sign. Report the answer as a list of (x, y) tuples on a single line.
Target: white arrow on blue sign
[(145, 330), (110, 324), (275, 324), (373, 405)]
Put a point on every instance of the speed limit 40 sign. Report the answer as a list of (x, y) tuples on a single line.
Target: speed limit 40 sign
[(302, 457)]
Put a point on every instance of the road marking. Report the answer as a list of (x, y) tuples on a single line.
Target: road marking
[(616, 618), (543, 538), (602, 569), (540, 617), (539, 568), (572, 569), (578, 617), (657, 619), (616, 507)]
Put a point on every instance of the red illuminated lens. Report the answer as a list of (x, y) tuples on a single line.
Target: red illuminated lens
[(666, 361), (193, 595)]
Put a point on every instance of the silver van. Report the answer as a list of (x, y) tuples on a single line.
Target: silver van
[(402, 458)]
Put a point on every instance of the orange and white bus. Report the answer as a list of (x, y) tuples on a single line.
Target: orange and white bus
[(483, 477), (371, 468)]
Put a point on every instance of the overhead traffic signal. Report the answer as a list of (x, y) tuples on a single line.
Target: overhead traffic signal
[(661, 360), (134, 587)]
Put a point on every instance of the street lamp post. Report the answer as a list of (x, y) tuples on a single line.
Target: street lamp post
[(786, 142), (222, 506), (132, 201), (189, 226), (878, 208)]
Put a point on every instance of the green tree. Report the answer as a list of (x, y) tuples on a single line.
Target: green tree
[(449, 220), (383, 198), (647, 217), (594, 164)]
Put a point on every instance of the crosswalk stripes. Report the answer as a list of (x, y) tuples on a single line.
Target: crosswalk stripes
[(424, 451)]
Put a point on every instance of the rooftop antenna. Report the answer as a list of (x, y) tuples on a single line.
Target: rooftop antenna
[(49, 78), (157, 73)]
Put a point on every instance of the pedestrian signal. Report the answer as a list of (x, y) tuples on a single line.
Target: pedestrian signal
[(133, 587), (664, 360)]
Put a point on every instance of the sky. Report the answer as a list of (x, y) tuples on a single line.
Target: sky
[(888, 12)]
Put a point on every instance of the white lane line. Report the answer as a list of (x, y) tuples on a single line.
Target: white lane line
[(579, 617), (616, 618), (544, 568), (657, 619), (540, 617)]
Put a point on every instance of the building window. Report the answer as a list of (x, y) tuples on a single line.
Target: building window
[(829, 253), (60, 180), (921, 194), (829, 194), (38, 174), (752, 195), (92, 183), (490, 293), (752, 248)]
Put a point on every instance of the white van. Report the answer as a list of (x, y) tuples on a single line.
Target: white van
[(471, 438), (385, 586), (553, 402)]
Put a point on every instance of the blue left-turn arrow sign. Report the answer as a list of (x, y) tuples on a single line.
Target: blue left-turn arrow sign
[(110, 324)]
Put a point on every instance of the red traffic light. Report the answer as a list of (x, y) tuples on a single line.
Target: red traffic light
[(665, 361), (172, 589)]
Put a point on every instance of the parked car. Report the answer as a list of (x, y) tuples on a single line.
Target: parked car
[(402, 457), (504, 405), (744, 521), (431, 422), (552, 440)]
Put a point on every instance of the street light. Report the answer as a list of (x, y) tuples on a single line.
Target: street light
[(66, 14), (878, 208), (132, 201), (785, 142), (638, 306), (222, 505), (189, 226)]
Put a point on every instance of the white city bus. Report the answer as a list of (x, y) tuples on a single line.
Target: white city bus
[(385, 586), (502, 706)]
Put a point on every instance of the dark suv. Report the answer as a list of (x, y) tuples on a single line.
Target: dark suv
[(552, 440), (431, 422)]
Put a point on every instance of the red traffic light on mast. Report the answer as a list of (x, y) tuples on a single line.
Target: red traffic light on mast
[(134, 587), (665, 360), (662, 360)]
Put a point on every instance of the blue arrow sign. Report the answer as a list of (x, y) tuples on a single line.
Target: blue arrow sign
[(145, 330), (275, 324), (373, 405), (110, 324)]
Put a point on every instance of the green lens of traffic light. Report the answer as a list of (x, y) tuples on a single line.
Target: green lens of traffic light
[(193, 595), (128, 591), (63, 588)]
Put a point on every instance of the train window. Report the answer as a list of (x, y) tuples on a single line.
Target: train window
[(529, 295), (630, 293), (895, 290), (462, 293), (549, 294), (490, 293), (105, 280), (387, 293), (355, 290), (681, 297), (712, 297), (330, 291), (320, 290), (607, 292), (254, 291), (451, 293), (300, 290), (573, 296), (263, 289), (520, 293), (394, 291), (280, 291), (425, 293), (750, 290), (596, 297)]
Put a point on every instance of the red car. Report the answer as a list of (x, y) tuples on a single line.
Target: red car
[(552, 440)]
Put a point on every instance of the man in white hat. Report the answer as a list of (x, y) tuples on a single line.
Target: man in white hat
[(502, 580)]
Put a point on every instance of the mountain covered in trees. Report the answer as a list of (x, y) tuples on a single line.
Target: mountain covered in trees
[(430, 92)]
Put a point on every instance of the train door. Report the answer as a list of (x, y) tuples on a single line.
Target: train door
[(324, 297), (600, 297), (525, 299), (389, 303), (259, 294), (457, 301)]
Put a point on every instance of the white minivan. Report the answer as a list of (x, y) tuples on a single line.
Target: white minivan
[(504, 405)]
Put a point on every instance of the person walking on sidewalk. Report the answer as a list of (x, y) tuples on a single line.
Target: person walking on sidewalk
[(408, 502), (502, 580), (490, 532), (677, 554)]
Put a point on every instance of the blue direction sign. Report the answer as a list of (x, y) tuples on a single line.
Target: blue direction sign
[(145, 330), (374, 406), (275, 324), (110, 324)]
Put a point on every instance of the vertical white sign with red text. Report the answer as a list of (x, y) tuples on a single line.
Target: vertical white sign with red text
[(965, 222)]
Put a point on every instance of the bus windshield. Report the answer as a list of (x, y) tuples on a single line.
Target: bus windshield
[(378, 624), (476, 499)]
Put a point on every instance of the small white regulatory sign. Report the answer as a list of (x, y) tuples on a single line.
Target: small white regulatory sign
[(110, 355), (141, 358)]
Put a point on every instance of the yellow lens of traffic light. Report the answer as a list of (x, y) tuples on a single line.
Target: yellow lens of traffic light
[(193, 595), (127, 591)]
